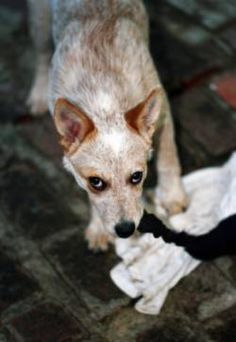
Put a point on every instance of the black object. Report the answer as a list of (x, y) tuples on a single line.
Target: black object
[(218, 242), (125, 229)]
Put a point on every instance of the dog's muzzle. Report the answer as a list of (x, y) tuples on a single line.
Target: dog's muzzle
[(125, 229)]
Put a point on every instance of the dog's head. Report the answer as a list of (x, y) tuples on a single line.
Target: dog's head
[(108, 158)]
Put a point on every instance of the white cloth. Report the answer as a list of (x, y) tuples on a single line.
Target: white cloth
[(150, 267)]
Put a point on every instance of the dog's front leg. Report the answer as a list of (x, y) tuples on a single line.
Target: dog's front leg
[(97, 237), (170, 192)]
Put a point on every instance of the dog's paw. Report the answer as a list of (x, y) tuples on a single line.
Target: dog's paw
[(173, 201), (38, 98), (98, 241), (176, 206)]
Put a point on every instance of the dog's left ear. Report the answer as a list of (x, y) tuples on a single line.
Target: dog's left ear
[(72, 124), (144, 116)]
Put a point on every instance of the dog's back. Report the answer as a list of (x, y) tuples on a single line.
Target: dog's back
[(101, 42), (65, 12)]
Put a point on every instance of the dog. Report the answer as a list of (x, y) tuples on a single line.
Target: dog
[(108, 104)]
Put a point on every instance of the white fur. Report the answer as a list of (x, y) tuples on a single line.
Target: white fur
[(104, 101), (115, 140)]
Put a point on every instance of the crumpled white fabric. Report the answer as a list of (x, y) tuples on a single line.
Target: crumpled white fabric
[(150, 267)]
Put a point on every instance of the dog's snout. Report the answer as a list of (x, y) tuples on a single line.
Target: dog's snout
[(125, 229)]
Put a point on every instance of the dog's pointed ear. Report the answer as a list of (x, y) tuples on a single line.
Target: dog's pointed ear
[(144, 116), (71, 123)]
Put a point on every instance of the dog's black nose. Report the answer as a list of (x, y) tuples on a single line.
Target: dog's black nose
[(125, 229)]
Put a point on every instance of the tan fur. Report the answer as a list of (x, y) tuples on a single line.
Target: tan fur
[(104, 81), (138, 117), (81, 127)]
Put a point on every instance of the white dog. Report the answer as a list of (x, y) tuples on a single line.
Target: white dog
[(107, 103)]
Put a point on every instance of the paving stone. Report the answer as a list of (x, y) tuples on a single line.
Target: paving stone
[(87, 272), (174, 329), (223, 327), (229, 35), (185, 31), (208, 122), (204, 294), (16, 61), (9, 22), (6, 336), (42, 135), (192, 156), (15, 284), (128, 325), (187, 64), (225, 86), (177, 23), (183, 50), (125, 324), (48, 323), (227, 265), (212, 14), (5, 158), (31, 203), (15, 6)]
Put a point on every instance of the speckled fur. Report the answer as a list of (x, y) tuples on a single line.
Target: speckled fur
[(102, 65)]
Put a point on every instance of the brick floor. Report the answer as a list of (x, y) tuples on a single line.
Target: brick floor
[(222, 328), (211, 14), (15, 284), (51, 287), (172, 330), (6, 336), (206, 128), (225, 86), (82, 269), (48, 323), (34, 212), (229, 35)]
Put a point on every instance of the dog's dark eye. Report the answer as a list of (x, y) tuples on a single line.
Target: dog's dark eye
[(136, 177), (97, 183)]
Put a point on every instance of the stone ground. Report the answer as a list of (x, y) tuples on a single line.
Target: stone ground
[(51, 287)]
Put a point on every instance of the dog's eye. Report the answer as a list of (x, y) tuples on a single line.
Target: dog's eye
[(136, 177), (97, 183)]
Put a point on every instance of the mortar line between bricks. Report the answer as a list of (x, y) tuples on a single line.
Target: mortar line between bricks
[(225, 26), (15, 333), (225, 275), (46, 278), (21, 306), (97, 316)]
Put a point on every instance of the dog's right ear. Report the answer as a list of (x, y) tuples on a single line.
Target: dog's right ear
[(143, 118), (72, 124)]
